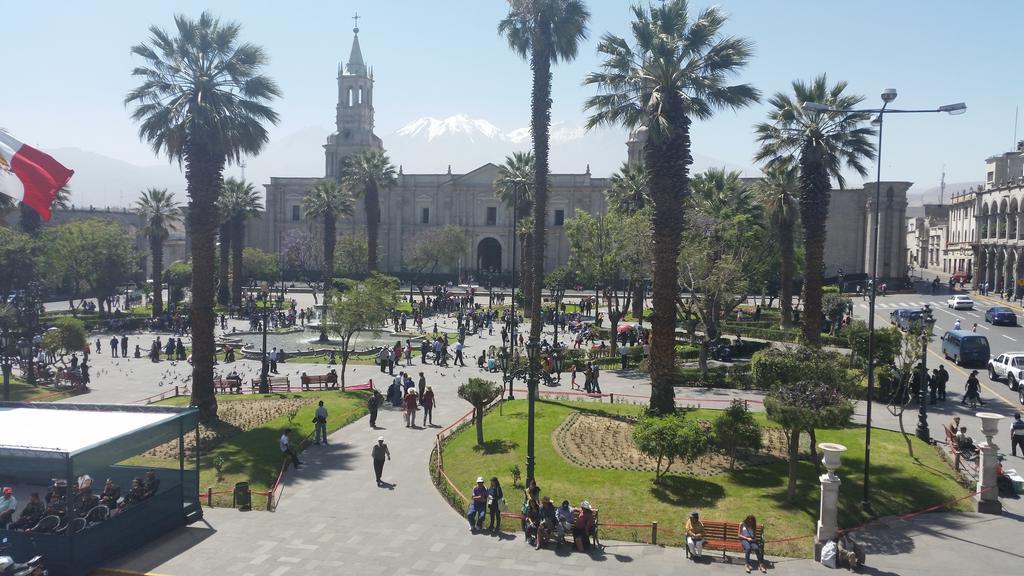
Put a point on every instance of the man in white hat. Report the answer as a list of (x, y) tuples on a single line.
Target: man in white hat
[(477, 506), (380, 452)]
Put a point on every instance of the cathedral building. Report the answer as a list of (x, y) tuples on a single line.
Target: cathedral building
[(420, 202)]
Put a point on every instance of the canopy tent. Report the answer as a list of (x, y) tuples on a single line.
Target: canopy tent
[(43, 443)]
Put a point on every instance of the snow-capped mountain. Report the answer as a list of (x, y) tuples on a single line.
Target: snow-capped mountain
[(429, 128)]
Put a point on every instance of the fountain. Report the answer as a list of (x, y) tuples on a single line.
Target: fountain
[(306, 341)]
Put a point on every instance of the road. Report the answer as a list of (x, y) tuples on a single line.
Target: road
[(1001, 339)]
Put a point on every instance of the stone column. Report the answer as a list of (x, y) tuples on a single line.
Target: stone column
[(988, 498), (828, 525)]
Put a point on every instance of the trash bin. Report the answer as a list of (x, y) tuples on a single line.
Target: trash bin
[(242, 497)]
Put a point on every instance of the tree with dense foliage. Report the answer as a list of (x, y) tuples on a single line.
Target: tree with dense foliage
[(359, 305), (93, 255), (833, 307), (202, 101), (19, 255), (350, 257), (29, 221), (514, 187), (888, 342), (479, 393), (434, 250), (259, 265), (178, 276), (328, 200), (803, 406), (159, 211), (676, 72), (669, 438), (238, 201), (365, 175), (737, 429), (778, 194), (543, 32), (66, 337), (824, 144)]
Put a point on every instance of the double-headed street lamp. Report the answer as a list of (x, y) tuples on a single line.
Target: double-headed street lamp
[(512, 372), (265, 367), (888, 95)]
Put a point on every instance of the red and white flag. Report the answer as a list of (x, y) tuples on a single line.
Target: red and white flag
[(28, 175)]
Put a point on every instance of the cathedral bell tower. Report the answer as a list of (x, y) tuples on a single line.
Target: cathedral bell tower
[(354, 113)]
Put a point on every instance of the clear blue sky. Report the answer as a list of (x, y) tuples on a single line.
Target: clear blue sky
[(67, 68)]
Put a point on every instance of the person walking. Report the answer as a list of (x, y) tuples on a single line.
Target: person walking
[(382, 358), (373, 404), (124, 346), (971, 390), (943, 378), (411, 405), (422, 385), (273, 360), (459, 361), (624, 353), (286, 448), (408, 352), (379, 453), (320, 423), (114, 344), (428, 402), (1017, 434)]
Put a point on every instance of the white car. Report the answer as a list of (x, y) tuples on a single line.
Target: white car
[(960, 302), (1009, 366)]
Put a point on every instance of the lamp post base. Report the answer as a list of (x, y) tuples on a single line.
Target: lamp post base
[(923, 433)]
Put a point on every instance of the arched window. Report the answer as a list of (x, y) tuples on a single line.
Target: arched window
[(350, 97), (360, 95)]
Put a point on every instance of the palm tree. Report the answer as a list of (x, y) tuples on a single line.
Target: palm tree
[(678, 71), (717, 191), (822, 142), (514, 187), (628, 191), (777, 193), (365, 174), (203, 102), (543, 32), (238, 202), (328, 200), (224, 262), (159, 211)]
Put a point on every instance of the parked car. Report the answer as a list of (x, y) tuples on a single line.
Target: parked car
[(960, 302), (1009, 366), (960, 277), (905, 318), (1001, 315), (965, 348)]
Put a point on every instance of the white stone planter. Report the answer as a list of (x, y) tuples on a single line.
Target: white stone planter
[(833, 456), (989, 424)]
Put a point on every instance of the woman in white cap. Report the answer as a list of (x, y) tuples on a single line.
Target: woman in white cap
[(380, 452), (477, 506), (583, 526)]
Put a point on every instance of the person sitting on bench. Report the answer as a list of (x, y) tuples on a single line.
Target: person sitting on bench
[(30, 515), (582, 528), (748, 538), (965, 444)]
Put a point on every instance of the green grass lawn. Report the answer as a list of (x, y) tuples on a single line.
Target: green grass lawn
[(900, 484), (254, 456), (21, 391)]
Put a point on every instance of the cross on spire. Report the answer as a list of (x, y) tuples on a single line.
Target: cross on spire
[(356, 20)]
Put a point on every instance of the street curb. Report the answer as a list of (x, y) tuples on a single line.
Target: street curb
[(994, 302), (120, 572)]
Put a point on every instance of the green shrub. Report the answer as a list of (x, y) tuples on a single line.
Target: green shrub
[(668, 438), (771, 368), (737, 429)]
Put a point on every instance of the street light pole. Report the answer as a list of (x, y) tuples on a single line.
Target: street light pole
[(922, 387), (888, 95), (532, 382), (264, 368)]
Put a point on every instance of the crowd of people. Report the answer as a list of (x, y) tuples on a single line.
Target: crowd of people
[(77, 501)]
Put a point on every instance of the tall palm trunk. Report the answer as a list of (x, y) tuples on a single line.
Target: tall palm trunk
[(237, 246), (667, 159), (540, 121), (786, 250), (372, 202), (638, 300), (223, 285), (156, 246), (330, 242), (526, 273), (814, 188), (203, 174)]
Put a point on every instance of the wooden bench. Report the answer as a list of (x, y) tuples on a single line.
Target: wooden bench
[(725, 536), (969, 465), (274, 384), (228, 385), (329, 380)]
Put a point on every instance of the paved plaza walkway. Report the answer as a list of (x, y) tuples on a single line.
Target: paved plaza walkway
[(333, 518)]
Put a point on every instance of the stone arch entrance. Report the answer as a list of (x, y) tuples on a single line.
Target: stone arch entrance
[(488, 255)]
